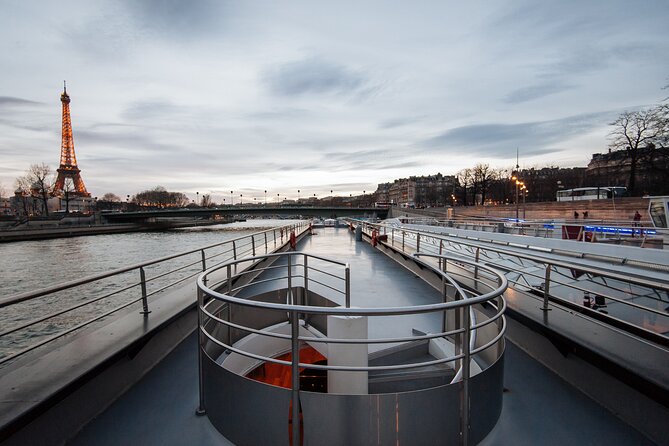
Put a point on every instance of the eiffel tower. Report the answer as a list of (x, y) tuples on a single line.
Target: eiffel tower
[(68, 160)]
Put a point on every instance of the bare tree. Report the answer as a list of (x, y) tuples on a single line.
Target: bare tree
[(68, 190), (637, 130), (111, 197), (483, 175), (38, 181), (206, 201), (465, 178), (22, 195)]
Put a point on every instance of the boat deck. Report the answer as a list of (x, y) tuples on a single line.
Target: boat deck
[(539, 407)]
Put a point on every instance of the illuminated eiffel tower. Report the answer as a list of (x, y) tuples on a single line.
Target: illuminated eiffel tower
[(68, 160)]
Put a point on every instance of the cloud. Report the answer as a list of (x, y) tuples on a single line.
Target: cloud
[(12, 101), (497, 140), (178, 20), (314, 76), (147, 110), (537, 91), (399, 122)]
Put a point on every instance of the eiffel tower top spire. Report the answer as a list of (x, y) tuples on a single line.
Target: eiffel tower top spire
[(68, 160)]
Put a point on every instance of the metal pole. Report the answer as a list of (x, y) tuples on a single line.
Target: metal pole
[(417, 242), (517, 202), (295, 388), (306, 289), (290, 279), (145, 305), (234, 250), (476, 268), (274, 237), (200, 336), (348, 286), (229, 330), (464, 407), (403, 241), (392, 237), (441, 252), (253, 245), (265, 236), (547, 287), (204, 264)]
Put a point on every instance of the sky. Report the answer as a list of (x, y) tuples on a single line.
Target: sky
[(214, 96)]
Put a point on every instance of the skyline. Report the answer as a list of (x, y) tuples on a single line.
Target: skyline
[(214, 96)]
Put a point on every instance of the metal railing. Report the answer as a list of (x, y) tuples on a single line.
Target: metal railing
[(631, 301), (603, 230), (33, 322), (471, 337)]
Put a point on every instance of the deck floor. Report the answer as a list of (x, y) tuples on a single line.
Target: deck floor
[(539, 407)]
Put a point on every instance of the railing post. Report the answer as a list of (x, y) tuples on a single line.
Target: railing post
[(441, 252), (417, 242), (253, 245), (204, 265), (464, 403), (476, 259), (547, 287), (295, 375), (229, 279), (274, 237), (289, 295), (200, 343), (234, 250), (265, 242), (306, 289), (348, 285), (403, 234), (392, 237), (145, 304)]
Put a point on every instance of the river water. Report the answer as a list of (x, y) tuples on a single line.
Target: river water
[(32, 265)]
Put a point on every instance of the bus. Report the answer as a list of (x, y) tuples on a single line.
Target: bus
[(591, 193)]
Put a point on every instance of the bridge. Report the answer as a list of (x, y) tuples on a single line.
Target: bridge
[(283, 211)]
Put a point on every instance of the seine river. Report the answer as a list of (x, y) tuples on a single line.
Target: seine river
[(32, 265)]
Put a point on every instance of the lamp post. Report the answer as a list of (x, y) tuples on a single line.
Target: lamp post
[(519, 184), (277, 199), (331, 198), (524, 196), (265, 197), (232, 200), (241, 200), (298, 196)]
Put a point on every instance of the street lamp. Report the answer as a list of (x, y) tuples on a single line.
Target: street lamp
[(331, 198), (298, 196), (241, 201), (197, 198), (265, 197), (525, 191), (232, 200)]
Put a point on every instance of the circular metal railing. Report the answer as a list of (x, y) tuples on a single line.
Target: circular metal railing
[(301, 277)]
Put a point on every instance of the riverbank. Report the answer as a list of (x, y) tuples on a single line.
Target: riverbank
[(51, 232)]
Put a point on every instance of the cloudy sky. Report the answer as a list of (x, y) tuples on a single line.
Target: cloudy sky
[(211, 96)]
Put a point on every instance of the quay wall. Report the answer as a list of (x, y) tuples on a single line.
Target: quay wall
[(622, 209)]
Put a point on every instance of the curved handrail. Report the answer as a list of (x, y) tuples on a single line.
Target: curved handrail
[(466, 301)]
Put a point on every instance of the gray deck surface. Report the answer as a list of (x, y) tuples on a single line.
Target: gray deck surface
[(539, 407)]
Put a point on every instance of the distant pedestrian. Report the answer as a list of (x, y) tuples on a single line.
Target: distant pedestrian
[(585, 215), (637, 219), (576, 215)]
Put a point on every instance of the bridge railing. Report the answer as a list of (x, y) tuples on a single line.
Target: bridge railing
[(34, 319), (634, 302)]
